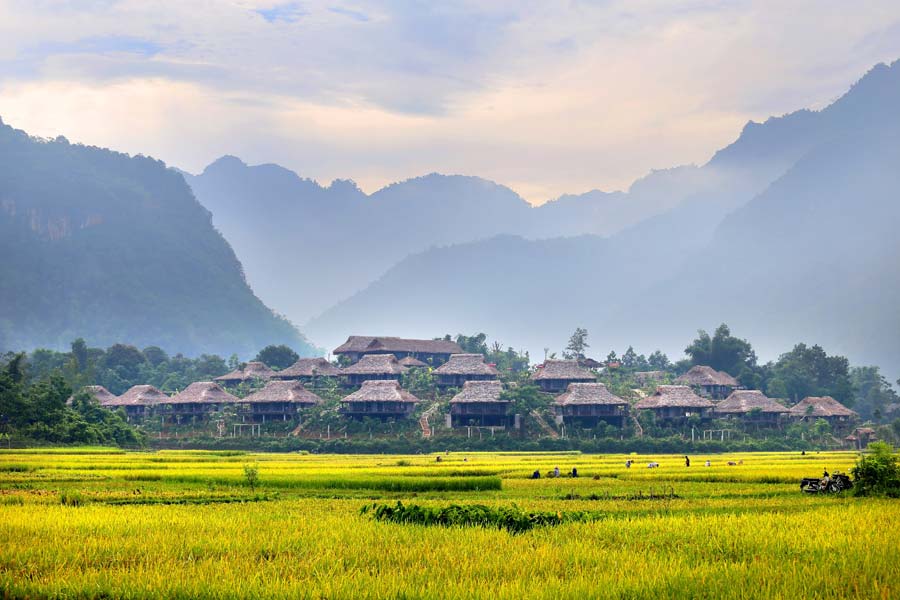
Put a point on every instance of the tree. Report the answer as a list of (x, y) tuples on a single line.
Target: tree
[(125, 360), (722, 352), (659, 361), (155, 355), (809, 371), (630, 358), (577, 345), (872, 392), (277, 357), (474, 344)]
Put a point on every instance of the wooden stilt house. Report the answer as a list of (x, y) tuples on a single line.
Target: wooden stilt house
[(709, 382), (555, 375), (479, 403), (462, 368), (379, 399), (586, 404), (751, 406), (674, 403), (373, 367), (197, 401), (278, 400)]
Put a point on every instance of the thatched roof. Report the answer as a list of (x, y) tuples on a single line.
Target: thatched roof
[(375, 364), (588, 393), (562, 369), (141, 395), (253, 370), (673, 396), (380, 391), (283, 391), (203, 392), (643, 377), (479, 391), (703, 375), (308, 367), (100, 394), (822, 406), (466, 364), (412, 363), (743, 401), (359, 343)]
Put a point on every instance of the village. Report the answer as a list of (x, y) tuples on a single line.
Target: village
[(433, 387)]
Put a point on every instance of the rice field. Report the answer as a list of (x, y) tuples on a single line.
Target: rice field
[(96, 523)]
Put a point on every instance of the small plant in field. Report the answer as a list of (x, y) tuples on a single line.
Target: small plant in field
[(251, 475), (877, 473), (402, 463), (513, 519)]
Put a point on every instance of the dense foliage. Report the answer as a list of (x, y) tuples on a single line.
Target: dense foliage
[(878, 472), (39, 411)]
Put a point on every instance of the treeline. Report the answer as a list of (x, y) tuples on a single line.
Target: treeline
[(46, 411)]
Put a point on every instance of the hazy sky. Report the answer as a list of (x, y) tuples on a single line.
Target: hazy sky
[(546, 97)]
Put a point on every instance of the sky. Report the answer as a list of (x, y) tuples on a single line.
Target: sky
[(545, 97)]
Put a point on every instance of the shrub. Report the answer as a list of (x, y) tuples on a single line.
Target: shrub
[(878, 472)]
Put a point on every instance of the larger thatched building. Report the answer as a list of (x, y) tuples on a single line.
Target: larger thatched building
[(823, 407), (675, 403), (462, 368), (752, 406), (373, 367), (586, 404), (139, 400), (435, 352), (479, 403), (252, 371), (556, 375), (711, 383), (379, 400), (197, 400), (278, 400), (308, 370)]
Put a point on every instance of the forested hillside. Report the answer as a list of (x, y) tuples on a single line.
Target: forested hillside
[(110, 247)]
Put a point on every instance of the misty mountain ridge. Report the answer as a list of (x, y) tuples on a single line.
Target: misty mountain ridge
[(793, 239), (361, 236), (114, 248)]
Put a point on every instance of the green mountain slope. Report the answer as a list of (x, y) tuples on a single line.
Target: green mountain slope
[(113, 248)]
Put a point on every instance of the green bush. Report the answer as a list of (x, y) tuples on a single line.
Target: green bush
[(878, 472)]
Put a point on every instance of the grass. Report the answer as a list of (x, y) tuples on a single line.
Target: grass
[(186, 525)]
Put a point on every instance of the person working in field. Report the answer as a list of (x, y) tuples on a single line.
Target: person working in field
[(536, 474), (687, 461), (574, 472), (556, 472)]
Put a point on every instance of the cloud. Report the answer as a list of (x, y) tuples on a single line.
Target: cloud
[(548, 97), (347, 12), (290, 12)]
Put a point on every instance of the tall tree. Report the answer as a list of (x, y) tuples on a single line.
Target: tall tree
[(277, 357), (577, 344), (809, 371), (723, 352)]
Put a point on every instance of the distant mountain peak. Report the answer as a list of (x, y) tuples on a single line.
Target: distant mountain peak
[(227, 162)]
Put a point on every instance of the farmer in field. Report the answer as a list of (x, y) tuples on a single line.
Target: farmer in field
[(687, 461), (556, 472), (574, 472), (826, 479), (536, 474)]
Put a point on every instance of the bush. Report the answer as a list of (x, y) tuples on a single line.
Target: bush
[(877, 473)]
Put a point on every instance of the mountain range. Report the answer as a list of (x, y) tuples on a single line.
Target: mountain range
[(115, 248), (792, 237)]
